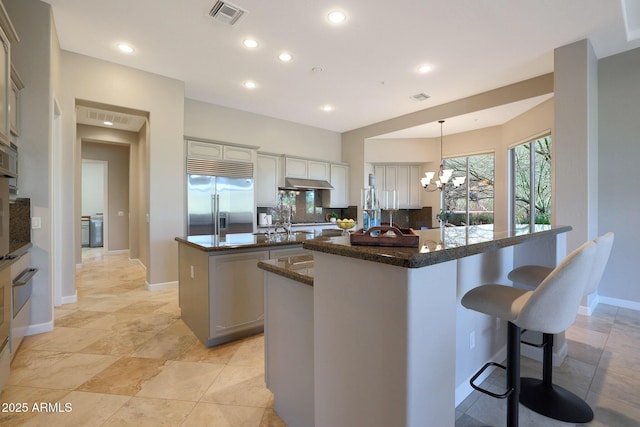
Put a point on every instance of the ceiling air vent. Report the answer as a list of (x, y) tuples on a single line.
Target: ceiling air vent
[(226, 12), (420, 96)]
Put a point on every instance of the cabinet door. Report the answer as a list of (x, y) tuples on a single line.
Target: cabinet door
[(13, 110), (240, 154), (402, 185), (205, 150), (317, 170), (295, 168), (4, 89), (339, 196), (415, 188), (267, 180), (238, 295), (380, 174)]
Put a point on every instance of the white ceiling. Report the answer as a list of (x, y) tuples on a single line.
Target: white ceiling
[(369, 62)]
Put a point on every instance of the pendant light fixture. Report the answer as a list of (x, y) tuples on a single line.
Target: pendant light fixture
[(444, 175)]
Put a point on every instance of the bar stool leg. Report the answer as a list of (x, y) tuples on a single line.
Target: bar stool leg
[(513, 373), (550, 400)]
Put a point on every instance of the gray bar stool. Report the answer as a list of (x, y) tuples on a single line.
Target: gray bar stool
[(542, 396), (550, 308)]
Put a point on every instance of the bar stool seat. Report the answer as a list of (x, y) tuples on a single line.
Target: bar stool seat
[(550, 308), (541, 395)]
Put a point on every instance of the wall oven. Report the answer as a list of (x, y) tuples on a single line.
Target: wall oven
[(5, 265)]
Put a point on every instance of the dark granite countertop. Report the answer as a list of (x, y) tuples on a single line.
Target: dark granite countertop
[(237, 241), (436, 245), (298, 268)]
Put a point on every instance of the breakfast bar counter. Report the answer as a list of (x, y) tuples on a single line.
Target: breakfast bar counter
[(386, 323)]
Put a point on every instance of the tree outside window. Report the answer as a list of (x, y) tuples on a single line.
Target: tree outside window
[(473, 202), (531, 182)]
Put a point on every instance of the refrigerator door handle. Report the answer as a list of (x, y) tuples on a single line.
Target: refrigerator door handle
[(215, 213)]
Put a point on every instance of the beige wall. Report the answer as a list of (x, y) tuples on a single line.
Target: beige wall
[(93, 80), (117, 157), (495, 139), (208, 121), (353, 142)]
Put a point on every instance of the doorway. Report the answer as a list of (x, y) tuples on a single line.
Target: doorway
[(95, 202)]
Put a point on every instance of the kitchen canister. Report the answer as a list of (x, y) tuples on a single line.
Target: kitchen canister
[(262, 219)]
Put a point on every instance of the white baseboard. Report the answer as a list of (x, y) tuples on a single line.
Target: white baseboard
[(161, 286), (622, 303), (463, 390), (592, 303), (39, 328), (136, 260), (70, 299), (117, 252)]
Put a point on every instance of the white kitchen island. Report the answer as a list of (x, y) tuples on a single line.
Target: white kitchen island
[(386, 345)]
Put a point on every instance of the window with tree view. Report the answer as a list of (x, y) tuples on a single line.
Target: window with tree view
[(472, 202), (531, 182)]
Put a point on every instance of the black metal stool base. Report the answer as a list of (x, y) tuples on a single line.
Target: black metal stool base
[(554, 401)]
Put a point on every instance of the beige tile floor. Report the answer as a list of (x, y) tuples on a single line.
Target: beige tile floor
[(602, 366), (121, 356)]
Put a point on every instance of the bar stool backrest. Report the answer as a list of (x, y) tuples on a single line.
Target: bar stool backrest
[(553, 305)]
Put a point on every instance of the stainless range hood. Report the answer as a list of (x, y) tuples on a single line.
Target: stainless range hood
[(306, 184)]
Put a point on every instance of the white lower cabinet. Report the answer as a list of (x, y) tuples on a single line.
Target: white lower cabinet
[(237, 301), (222, 293), (221, 296)]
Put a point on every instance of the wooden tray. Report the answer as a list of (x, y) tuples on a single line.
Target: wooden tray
[(377, 236)]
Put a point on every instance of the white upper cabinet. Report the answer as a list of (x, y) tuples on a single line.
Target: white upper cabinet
[(212, 150), (405, 179), (204, 150), (295, 167), (239, 154), (318, 170), (4, 89), (268, 179), (339, 196), (14, 103)]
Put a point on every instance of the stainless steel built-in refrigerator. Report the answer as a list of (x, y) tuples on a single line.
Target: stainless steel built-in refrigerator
[(220, 205)]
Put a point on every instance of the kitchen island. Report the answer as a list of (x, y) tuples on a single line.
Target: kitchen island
[(221, 293), (390, 341)]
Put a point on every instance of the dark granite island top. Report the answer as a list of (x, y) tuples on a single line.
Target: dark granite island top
[(298, 268), (395, 312), (437, 245), (210, 243)]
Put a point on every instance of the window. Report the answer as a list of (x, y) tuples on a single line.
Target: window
[(531, 182), (471, 203)]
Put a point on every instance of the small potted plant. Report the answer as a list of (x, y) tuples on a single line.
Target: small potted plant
[(444, 216), (332, 216)]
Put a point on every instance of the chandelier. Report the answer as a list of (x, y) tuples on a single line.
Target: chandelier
[(444, 175)]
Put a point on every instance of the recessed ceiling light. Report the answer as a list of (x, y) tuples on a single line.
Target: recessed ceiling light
[(108, 123), (249, 84), (250, 43), (285, 57), (337, 17), (327, 107), (424, 68), (125, 48)]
